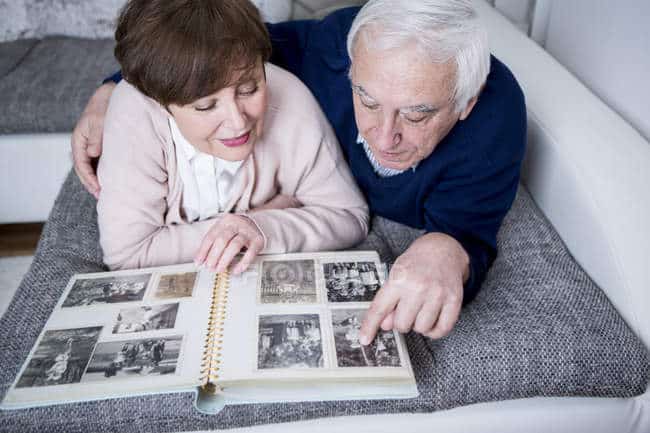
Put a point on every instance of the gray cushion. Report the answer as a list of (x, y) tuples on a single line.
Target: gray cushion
[(539, 327), (50, 87), (12, 53)]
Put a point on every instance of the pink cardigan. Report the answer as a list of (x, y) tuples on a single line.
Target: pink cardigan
[(140, 216)]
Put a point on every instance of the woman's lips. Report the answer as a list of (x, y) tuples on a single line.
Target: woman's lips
[(237, 141)]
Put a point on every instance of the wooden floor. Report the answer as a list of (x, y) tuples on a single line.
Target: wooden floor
[(19, 239)]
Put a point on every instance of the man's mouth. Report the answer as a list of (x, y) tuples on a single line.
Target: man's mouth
[(390, 156)]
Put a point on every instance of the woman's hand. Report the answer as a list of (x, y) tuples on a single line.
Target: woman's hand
[(229, 236)]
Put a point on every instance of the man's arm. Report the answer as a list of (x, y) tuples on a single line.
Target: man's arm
[(445, 268), (87, 137)]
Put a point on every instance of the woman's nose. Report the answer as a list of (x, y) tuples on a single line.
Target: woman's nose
[(236, 117)]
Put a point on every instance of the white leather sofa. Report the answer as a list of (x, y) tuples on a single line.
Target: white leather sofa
[(586, 168), (589, 172)]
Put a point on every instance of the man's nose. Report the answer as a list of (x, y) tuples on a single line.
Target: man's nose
[(388, 136)]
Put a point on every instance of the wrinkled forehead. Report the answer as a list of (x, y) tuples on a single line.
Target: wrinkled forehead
[(403, 75)]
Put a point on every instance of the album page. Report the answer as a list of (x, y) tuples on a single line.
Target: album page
[(293, 321), (118, 334)]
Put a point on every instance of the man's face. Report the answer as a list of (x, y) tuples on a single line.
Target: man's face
[(402, 103)]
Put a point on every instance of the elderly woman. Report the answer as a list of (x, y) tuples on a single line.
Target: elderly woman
[(209, 151)]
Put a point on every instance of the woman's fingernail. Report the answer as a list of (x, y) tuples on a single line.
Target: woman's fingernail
[(364, 340)]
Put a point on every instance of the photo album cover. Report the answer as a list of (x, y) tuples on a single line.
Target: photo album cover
[(287, 329)]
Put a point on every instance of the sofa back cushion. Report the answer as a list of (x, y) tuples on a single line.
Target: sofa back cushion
[(40, 18), (93, 19)]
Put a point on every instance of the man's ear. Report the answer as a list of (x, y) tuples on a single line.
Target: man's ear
[(468, 108)]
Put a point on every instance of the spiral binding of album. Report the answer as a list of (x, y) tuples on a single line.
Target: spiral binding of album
[(211, 364)]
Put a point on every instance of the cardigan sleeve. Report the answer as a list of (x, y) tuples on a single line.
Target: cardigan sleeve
[(311, 168), (132, 204), (334, 214)]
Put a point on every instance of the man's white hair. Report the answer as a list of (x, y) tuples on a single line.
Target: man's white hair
[(443, 29)]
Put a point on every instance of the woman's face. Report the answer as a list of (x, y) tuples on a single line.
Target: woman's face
[(227, 123)]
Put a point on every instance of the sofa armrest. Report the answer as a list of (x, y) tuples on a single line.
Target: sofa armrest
[(587, 169)]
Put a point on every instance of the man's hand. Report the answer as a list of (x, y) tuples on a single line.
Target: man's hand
[(87, 137), (228, 237), (424, 291)]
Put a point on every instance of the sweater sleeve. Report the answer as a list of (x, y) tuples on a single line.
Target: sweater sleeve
[(470, 207), (478, 186), (289, 40), (132, 205), (474, 195)]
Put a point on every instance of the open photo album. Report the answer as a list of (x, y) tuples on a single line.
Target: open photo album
[(287, 329)]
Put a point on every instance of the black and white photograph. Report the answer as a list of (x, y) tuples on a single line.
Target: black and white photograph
[(382, 352), (148, 357), (146, 318), (60, 358), (351, 281), (289, 341), (290, 281), (107, 290), (175, 286)]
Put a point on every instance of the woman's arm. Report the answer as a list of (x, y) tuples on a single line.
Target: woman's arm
[(334, 214), (133, 175)]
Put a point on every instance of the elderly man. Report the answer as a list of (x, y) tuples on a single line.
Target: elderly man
[(436, 148)]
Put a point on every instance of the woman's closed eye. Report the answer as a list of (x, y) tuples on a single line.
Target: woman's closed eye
[(205, 105), (248, 89)]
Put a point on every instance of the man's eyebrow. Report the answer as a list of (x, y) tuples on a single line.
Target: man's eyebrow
[(422, 108), (361, 91)]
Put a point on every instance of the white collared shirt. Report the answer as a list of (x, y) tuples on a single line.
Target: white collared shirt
[(207, 180), (378, 168)]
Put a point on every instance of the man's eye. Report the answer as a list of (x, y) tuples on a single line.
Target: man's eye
[(415, 118), (369, 106)]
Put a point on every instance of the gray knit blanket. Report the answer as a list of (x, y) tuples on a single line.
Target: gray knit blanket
[(539, 327)]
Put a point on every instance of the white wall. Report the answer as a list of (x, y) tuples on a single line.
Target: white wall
[(605, 43)]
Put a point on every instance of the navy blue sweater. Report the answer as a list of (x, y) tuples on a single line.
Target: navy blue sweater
[(464, 188)]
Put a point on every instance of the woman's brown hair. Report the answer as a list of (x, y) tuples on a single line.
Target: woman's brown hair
[(177, 51)]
